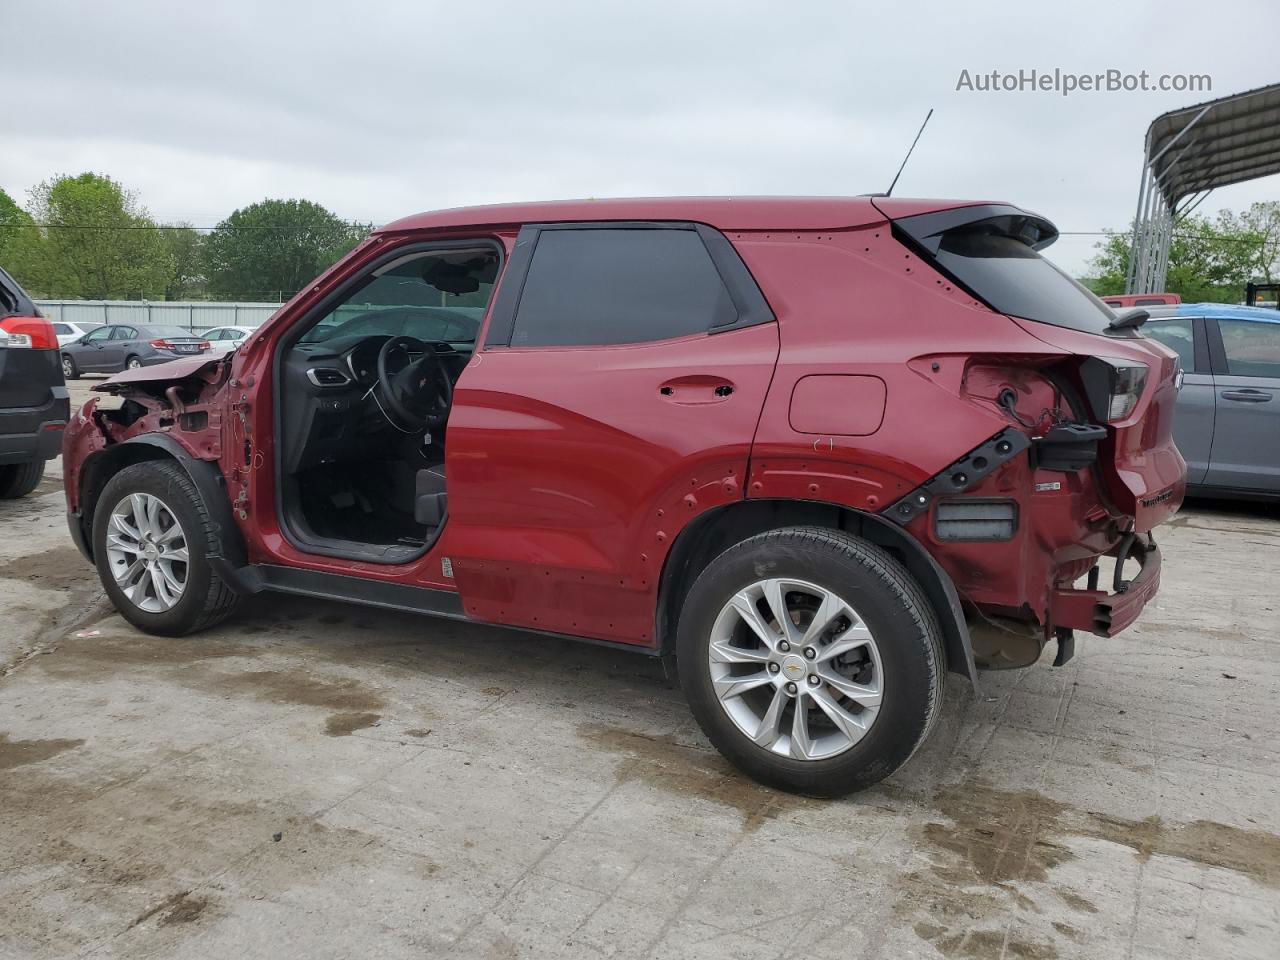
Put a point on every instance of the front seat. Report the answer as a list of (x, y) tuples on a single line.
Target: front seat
[(430, 499)]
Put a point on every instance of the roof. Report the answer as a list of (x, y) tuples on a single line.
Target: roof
[(1216, 143), (1223, 311), (724, 213)]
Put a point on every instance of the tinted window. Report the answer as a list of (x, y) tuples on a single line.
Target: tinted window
[(430, 296), (124, 333), (1157, 302), (1252, 347), (157, 332), (62, 329), (98, 335), (1015, 280), (619, 286), (1176, 335)]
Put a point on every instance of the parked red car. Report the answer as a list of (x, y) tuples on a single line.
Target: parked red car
[(821, 450), (1127, 301)]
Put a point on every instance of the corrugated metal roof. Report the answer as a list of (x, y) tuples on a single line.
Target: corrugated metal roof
[(1215, 144)]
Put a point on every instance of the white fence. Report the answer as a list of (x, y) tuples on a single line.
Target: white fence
[(194, 315)]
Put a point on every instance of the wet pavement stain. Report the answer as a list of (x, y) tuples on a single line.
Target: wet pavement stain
[(344, 724), (996, 842), (19, 753), (1000, 837), (688, 771), (186, 910), (341, 694), (55, 569), (178, 908)]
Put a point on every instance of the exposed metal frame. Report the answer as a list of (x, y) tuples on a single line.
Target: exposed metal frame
[(1187, 154)]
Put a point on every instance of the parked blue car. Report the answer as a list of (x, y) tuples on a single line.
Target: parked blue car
[(1227, 423)]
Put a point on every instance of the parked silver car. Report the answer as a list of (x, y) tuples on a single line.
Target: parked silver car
[(1228, 415), (124, 346)]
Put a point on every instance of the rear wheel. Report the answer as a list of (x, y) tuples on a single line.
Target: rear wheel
[(811, 660), (69, 369), (19, 479), (133, 363), (151, 537)]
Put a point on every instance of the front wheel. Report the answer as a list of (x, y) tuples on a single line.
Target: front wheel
[(151, 537), (811, 659)]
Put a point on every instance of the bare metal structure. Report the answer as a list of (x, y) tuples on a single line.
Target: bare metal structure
[(1190, 153)]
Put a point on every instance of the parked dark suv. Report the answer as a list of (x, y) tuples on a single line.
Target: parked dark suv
[(34, 405), (821, 450)]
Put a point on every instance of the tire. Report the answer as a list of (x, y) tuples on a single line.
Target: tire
[(69, 369), (898, 677), (132, 363), (19, 479), (204, 599)]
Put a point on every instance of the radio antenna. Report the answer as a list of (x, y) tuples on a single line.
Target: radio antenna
[(889, 193)]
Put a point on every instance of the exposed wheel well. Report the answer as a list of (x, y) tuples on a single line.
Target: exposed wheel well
[(715, 531), (102, 467)]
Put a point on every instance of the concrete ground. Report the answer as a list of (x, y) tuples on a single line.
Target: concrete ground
[(315, 780)]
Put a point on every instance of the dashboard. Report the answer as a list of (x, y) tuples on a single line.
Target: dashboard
[(327, 412)]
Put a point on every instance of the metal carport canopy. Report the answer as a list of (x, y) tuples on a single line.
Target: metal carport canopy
[(1215, 144), (1189, 153)]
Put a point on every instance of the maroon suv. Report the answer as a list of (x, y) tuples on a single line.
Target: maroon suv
[(821, 450)]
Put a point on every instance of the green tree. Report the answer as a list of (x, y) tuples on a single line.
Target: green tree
[(275, 247), (17, 234), (1259, 229), (184, 252), (93, 241), (1208, 260)]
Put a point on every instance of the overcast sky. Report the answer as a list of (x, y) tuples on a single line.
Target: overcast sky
[(381, 109)]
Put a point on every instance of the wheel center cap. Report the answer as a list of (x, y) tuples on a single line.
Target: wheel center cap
[(794, 668), (150, 551)]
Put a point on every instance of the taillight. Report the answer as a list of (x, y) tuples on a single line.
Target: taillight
[(35, 333), (1114, 386), (170, 345)]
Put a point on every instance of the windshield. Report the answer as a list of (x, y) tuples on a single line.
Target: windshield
[(433, 297), (1015, 280)]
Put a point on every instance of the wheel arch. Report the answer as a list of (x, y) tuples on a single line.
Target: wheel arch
[(713, 532), (228, 556)]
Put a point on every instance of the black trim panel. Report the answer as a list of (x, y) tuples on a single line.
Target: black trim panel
[(961, 475)]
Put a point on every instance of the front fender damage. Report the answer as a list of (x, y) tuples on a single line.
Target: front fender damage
[(184, 398)]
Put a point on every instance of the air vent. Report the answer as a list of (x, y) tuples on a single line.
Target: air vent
[(327, 377), (975, 520)]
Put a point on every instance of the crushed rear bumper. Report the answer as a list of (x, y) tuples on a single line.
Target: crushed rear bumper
[(1106, 614)]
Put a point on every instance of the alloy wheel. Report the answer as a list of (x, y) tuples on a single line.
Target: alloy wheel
[(795, 668), (147, 552)]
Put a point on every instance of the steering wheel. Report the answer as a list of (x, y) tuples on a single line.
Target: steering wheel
[(419, 392)]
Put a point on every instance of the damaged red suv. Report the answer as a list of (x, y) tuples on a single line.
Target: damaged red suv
[(822, 451)]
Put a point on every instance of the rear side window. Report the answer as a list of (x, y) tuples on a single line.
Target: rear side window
[(1176, 335), (1252, 348), (61, 329), (613, 286), (1014, 279), (124, 333)]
